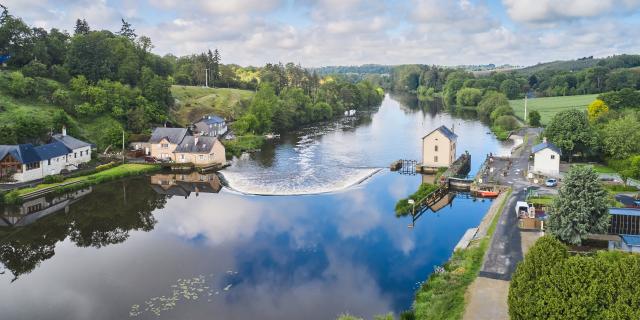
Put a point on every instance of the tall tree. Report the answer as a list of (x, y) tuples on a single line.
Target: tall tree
[(127, 30), (215, 66), (82, 27), (580, 208), (571, 131)]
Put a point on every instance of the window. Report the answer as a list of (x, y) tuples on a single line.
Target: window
[(436, 148), (201, 157), (182, 156), (435, 159), (164, 145), (81, 153), (33, 165), (49, 162), (553, 156), (75, 154)]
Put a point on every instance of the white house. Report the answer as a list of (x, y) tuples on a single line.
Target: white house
[(25, 162), (439, 148), (210, 125), (546, 159)]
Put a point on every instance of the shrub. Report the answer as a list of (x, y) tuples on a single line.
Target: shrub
[(35, 69), (59, 73), (12, 197), (468, 97), (504, 110), (534, 118), (550, 284), (507, 122), (53, 178), (19, 86)]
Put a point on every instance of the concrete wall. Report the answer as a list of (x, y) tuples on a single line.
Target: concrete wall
[(547, 162), (442, 156)]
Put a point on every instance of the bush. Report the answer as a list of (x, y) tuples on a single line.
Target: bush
[(504, 110), (534, 118), (53, 178), (35, 69), (549, 284), (468, 97), (507, 122), (19, 86), (59, 73), (12, 197)]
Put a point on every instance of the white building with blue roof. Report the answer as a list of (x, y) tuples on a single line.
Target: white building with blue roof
[(211, 125), (546, 159), (26, 162)]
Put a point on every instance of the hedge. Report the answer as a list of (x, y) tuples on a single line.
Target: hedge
[(551, 284)]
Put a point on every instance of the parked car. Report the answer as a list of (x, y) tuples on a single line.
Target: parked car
[(150, 159), (551, 182)]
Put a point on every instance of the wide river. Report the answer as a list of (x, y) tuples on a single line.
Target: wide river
[(185, 247)]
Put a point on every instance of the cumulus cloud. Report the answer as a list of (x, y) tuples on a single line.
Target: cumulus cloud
[(553, 10), (332, 32)]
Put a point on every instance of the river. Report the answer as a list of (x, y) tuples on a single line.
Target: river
[(183, 246)]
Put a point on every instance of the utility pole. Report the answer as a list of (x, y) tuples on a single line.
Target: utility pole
[(525, 108), (123, 146), (206, 78)]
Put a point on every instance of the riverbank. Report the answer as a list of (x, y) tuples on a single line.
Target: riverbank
[(74, 183), (442, 296)]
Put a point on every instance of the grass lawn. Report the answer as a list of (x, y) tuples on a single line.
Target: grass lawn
[(549, 106), (194, 102), (599, 168), (545, 200), (442, 296)]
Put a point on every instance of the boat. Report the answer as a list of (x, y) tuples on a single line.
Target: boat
[(488, 194)]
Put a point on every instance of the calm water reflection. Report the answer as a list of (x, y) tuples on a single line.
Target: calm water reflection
[(174, 246)]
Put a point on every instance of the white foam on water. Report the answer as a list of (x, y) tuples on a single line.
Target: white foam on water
[(305, 184)]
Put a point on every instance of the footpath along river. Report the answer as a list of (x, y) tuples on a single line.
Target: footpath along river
[(186, 247)]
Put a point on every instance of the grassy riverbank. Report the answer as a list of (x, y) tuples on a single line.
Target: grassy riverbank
[(442, 295), (121, 171), (549, 106)]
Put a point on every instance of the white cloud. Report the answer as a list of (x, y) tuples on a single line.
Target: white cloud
[(553, 10)]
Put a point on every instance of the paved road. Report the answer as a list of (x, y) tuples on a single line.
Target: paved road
[(505, 250)]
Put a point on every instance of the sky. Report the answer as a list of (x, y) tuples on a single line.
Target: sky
[(353, 32)]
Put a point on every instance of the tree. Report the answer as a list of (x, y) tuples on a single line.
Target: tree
[(526, 285), (507, 122), (503, 110), (621, 137), (490, 102), (596, 109), (215, 66), (8, 135), (82, 27), (510, 88), (127, 30), (625, 98), (570, 130), (468, 97), (534, 118), (262, 107), (580, 208)]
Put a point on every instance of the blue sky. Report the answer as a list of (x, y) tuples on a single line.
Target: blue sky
[(348, 32)]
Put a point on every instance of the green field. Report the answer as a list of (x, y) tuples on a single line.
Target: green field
[(194, 102), (549, 106)]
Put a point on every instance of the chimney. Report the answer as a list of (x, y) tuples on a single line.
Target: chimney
[(195, 139), (544, 140), (64, 130)]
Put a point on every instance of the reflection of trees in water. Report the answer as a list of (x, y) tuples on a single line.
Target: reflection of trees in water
[(106, 216)]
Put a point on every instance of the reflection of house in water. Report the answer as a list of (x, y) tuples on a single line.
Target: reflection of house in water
[(34, 209), (183, 184)]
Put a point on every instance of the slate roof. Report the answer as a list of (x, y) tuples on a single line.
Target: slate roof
[(51, 150), (445, 131), (205, 144), (71, 142), (624, 212), (174, 135), (24, 153), (631, 240), (211, 119), (545, 145)]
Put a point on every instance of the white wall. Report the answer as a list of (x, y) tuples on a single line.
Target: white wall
[(446, 150), (70, 162), (547, 162)]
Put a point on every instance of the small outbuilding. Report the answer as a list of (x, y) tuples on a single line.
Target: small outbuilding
[(546, 159), (439, 148)]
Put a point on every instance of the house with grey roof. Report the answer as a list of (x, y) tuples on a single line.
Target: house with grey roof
[(178, 145), (25, 162), (164, 141), (210, 125), (546, 159), (439, 148)]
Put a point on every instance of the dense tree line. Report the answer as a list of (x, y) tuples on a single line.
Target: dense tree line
[(609, 74)]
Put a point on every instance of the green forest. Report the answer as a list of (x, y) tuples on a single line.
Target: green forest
[(99, 83)]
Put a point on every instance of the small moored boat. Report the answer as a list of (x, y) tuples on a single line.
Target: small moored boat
[(488, 194)]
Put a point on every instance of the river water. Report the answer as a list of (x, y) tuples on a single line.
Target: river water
[(183, 246)]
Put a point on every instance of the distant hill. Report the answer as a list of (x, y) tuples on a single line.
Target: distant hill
[(561, 65), (360, 70)]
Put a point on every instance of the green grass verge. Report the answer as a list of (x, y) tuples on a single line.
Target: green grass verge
[(545, 200), (599, 168), (549, 106), (442, 295), (121, 171), (194, 102), (500, 133)]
